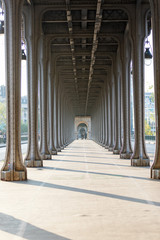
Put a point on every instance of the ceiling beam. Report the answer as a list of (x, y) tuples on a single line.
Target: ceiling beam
[(70, 28), (85, 21), (97, 27)]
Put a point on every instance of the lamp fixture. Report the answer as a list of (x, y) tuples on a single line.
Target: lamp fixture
[(147, 54), (1, 19), (23, 50)]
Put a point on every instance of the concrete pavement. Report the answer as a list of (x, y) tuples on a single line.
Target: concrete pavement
[(83, 193)]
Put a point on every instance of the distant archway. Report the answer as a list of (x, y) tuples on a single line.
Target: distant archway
[(82, 130), (82, 122)]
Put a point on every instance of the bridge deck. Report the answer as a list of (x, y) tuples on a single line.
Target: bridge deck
[(85, 192)]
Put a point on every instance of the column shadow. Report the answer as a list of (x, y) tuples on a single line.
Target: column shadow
[(13, 225), (90, 192), (96, 173), (77, 156), (94, 163)]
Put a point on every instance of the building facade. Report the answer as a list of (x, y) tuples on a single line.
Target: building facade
[(150, 111), (24, 109), (2, 93)]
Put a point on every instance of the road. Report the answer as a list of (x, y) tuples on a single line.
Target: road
[(150, 147), (3, 151)]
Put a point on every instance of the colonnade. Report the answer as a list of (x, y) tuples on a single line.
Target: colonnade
[(40, 75), (111, 115), (112, 118)]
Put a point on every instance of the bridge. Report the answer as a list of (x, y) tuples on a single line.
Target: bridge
[(80, 57)]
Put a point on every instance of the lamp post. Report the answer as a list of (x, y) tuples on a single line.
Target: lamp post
[(1, 19), (23, 51), (147, 54)]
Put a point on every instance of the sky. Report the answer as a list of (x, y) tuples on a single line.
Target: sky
[(149, 76), (149, 71), (2, 64)]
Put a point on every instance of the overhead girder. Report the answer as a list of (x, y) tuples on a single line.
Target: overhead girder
[(76, 5), (83, 37)]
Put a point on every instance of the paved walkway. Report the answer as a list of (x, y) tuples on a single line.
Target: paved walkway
[(83, 193)]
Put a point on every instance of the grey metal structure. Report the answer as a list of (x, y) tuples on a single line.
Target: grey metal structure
[(79, 54)]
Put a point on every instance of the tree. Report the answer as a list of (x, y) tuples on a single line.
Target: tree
[(3, 117), (24, 127), (148, 131), (152, 94)]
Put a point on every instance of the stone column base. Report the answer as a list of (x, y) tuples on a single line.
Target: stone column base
[(58, 150), (140, 162), (116, 151), (13, 175), (125, 155), (155, 173), (46, 156), (53, 152), (106, 147), (33, 163), (110, 149)]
